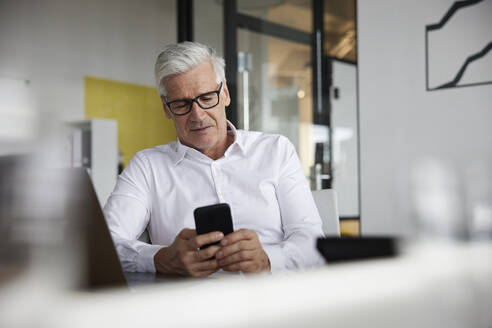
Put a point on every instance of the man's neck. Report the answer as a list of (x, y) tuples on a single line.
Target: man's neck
[(219, 151)]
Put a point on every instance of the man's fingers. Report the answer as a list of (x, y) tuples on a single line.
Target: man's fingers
[(242, 256), (206, 253), (210, 265), (187, 234), (248, 266), (239, 251), (236, 247), (238, 235), (207, 238)]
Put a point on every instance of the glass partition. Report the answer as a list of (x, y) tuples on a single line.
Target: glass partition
[(275, 90), (274, 84), (296, 14)]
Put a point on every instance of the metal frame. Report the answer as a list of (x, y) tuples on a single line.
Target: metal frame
[(230, 56), (273, 29), (185, 20), (319, 65), (358, 116), (324, 118), (350, 218)]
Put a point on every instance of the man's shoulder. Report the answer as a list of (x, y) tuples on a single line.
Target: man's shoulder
[(262, 139), (162, 152)]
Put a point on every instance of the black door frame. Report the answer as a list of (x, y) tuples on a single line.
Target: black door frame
[(321, 103)]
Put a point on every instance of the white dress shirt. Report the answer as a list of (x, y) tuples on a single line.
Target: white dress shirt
[(259, 176)]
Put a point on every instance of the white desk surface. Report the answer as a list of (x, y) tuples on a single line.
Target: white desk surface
[(429, 286)]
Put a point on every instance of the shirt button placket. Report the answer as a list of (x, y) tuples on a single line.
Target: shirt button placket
[(218, 182)]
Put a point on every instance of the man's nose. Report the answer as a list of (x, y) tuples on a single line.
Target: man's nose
[(197, 113)]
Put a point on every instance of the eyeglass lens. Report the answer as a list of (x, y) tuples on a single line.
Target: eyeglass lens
[(205, 101)]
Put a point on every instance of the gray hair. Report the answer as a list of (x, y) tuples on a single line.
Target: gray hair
[(181, 57)]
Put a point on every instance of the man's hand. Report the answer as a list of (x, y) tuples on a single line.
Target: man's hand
[(184, 258), (242, 251)]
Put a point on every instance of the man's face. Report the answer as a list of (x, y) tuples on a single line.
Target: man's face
[(202, 129)]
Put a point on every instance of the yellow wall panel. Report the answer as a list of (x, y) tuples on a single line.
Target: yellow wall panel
[(136, 108)]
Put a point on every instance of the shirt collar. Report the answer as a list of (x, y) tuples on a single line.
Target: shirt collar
[(181, 150), (238, 138)]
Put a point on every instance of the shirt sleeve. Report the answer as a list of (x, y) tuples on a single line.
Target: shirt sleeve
[(301, 222), (127, 214)]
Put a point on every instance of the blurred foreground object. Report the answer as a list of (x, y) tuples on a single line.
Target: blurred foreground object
[(18, 119), (451, 204), (53, 228), (35, 238), (478, 187), (14, 256), (437, 196), (440, 286)]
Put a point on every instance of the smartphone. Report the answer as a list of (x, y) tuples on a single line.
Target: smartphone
[(213, 218)]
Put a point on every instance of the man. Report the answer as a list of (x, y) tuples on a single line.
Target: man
[(258, 175)]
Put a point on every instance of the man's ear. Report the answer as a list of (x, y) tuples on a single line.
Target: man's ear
[(166, 110), (226, 94)]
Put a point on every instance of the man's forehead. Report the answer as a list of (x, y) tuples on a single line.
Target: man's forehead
[(193, 82)]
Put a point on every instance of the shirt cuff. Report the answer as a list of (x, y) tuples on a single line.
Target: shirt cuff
[(274, 253), (145, 257)]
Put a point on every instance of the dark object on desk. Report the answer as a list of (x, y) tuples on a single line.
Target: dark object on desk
[(14, 250), (55, 212), (335, 249), (103, 265), (213, 218)]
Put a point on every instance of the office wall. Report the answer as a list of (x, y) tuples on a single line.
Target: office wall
[(401, 121), (55, 43)]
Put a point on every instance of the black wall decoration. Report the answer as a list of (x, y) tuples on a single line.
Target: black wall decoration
[(457, 29)]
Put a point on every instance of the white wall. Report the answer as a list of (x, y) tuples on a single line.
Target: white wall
[(55, 43), (401, 122)]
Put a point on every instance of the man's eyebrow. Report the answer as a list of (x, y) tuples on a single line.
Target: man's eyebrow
[(198, 95), (177, 99)]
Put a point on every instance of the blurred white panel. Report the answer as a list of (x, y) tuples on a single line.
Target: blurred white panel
[(345, 138), (17, 116)]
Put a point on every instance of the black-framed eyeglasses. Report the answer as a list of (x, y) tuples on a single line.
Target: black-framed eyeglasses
[(205, 101)]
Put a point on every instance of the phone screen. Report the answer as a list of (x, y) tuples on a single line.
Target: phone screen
[(213, 218)]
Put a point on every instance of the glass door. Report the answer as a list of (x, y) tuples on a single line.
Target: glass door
[(291, 70), (274, 59), (274, 82)]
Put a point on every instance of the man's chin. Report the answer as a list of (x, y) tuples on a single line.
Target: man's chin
[(204, 144), (202, 131)]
